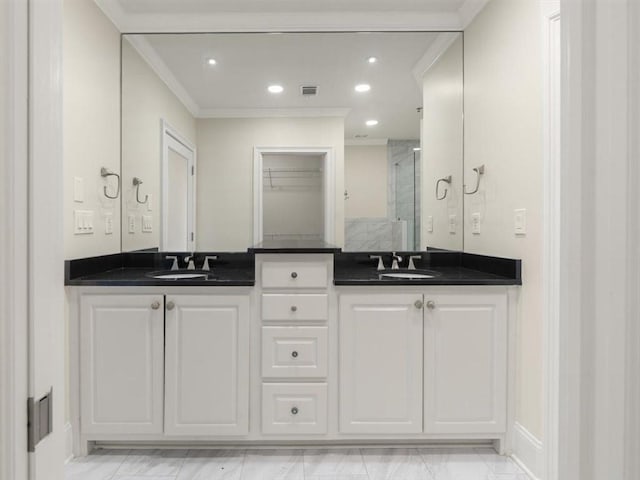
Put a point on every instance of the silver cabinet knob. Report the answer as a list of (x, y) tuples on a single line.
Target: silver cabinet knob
[(294, 308), (294, 411), (294, 275), (294, 354), (155, 305), (418, 304), (170, 305), (431, 304)]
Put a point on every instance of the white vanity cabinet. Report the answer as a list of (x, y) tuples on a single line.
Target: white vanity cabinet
[(207, 365), (465, 363), (380, 363), (162, 365), (121, 363)]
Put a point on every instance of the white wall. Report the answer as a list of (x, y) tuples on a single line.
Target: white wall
[(293, 201), (146, 101), (91, 103), (442, 148), (503, 131), (365, 179), (225, 172)]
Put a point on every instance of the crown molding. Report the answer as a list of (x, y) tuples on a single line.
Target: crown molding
[(148, 53), (469, 10), (440, 45), (272, 112)]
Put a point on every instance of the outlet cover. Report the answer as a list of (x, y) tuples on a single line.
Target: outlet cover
[(131, 222), (452, 224), (430, 224), (78, 189), (475, 223), (108, 223), (149, 202), (520, 221)]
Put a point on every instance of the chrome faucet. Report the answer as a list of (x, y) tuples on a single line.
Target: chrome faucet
[(174, 265), (380, 262), (396, 259), (189, 261), (205, 265), (411, 264)]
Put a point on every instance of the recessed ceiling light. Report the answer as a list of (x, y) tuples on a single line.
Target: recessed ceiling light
[(372, 59), (275, 88), (211, 61), (363, 87), (371, 123)]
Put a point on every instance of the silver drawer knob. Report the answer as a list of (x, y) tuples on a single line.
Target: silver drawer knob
[(170, 305), (418, 304), (155, 305), (294, 411), (294, 275), (294, 308), (431, 304), (294, 354)]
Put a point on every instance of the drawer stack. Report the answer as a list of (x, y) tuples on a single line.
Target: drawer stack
[(294, 312)]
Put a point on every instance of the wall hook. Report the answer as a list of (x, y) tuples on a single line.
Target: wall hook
[(104, 173), (447, 180), (479, 171), (137, 182)]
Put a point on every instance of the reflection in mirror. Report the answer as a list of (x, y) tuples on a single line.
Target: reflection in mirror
[(191, 128)]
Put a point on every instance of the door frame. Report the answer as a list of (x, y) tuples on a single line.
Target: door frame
[(329, 187), (170, 135)]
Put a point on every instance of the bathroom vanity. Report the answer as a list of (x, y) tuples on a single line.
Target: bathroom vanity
[(288, 344)]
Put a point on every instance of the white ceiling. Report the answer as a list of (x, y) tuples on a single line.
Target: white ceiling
[(334, 62)]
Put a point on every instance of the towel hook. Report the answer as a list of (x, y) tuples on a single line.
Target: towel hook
[(479, 171), (106, 173), (447, 180), (137, 182)]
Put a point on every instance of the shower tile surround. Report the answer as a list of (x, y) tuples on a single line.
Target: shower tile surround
[(396, 231)]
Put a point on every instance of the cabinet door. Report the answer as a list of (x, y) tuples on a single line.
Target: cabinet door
[(121, 364), (465, 375), (380, 363), (207, 365)]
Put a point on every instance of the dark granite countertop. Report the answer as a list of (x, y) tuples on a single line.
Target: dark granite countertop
[(453, 268), (131, 269), (294, 246)]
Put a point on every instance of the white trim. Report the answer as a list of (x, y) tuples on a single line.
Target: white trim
[(551, 211), (469, 10), (272, 112), (329, 187), (149, 55), (170, 135), (13, 243), (439, 46), (528, 452), (68, 442)]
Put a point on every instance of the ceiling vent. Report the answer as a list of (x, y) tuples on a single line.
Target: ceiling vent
[(308, 90)]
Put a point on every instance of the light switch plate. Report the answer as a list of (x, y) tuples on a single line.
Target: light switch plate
[(452, 224), (430, 224), (78, 189), (108, 223), (82, 222), (520, 221), (475, 223), (147, 223), (131, 222)]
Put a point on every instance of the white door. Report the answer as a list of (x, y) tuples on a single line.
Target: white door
[(207, 365), (380, 363), (178, 192), (121, 363), (465, 363)]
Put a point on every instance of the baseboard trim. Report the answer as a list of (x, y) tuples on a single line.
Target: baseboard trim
[(68, 442), (527, 451)]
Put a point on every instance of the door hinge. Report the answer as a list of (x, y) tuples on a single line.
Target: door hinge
[(39, 419), (193, 170), (192, 237)]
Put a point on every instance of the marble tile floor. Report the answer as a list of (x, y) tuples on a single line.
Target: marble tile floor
[(285, 464)]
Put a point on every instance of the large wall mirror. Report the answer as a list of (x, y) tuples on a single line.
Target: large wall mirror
[(355, 138)]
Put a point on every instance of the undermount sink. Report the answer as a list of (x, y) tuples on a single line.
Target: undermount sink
[(181, 275), (406, 274)]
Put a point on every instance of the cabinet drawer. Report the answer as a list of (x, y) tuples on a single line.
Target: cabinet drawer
[(291, 409), (294, 352), (276, 306), (295, 275)]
